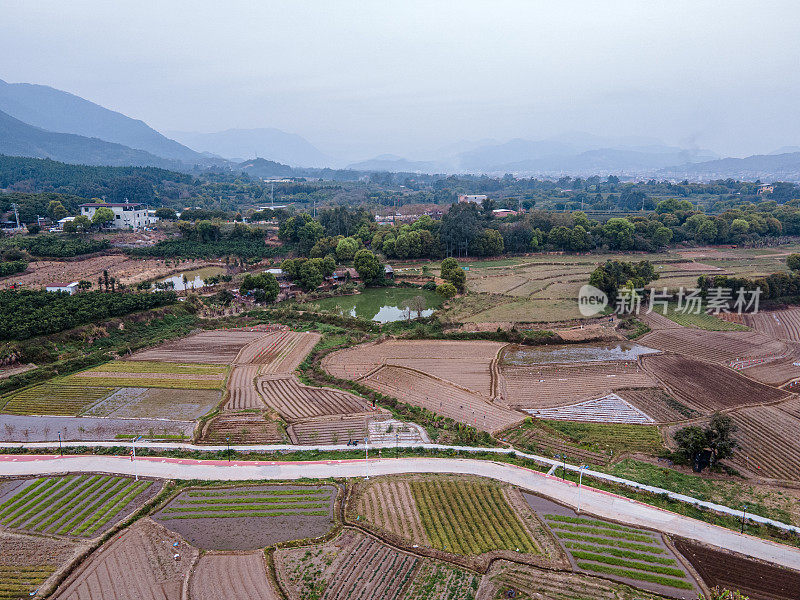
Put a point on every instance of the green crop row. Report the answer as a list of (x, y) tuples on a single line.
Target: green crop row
[(634, 537), (268, 500), (200, 515), (116, 504), (145, 366), (622, 553), (636, 575), (593, 522), (67, 503), (255, 507), (105, 493), (308, 492), (628, 564), (32, 507), (26, 498), (616, 543)]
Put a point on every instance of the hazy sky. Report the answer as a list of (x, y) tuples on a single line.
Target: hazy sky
[(408, 76)]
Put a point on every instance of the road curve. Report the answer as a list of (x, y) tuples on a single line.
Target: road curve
[(597, 502)]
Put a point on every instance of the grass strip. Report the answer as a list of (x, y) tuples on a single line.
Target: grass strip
[(636, 575), (628, 564), (116, 504), (634, 537), (622, 553), (92, 505), (105, 507), (281, 500), (308, 492), (617, 543)]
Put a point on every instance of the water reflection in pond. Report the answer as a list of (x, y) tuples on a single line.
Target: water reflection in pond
[(194, 278), (526, 355)]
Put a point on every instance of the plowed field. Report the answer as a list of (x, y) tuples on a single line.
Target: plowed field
[(27, 561), (658, 404), (442, 398), (757, 581), (714, 346), (547, 386), (708, 387), (777, 324), (242, 389), (242, 427), (280, 353), (467, 364), (293, 401), (232, 577), (139, 565), (329, 430), (216, 347)]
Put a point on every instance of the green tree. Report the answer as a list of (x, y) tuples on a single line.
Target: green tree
[(446, 290), (346, 249), (453, 273), (56, 210), (102, 216), (662, 236), (368, 266), (618, 232), (309, 276), (166, 214), (793, 262)]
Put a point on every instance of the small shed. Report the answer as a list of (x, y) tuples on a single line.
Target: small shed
[(69, 288), (388, 272)]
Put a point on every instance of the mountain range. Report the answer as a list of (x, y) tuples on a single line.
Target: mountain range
[(41, 121)]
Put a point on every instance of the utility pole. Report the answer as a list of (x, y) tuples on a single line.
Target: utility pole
[(16, 214), (744, 512), (60, 448), (366, 449), (580, 480), (133, 457)]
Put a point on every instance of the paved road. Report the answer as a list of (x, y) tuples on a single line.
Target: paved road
[(543, 460), (599, 503)]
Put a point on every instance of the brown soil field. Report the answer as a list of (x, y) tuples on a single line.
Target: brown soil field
[(389, 504), (242, 427), (27, 562), (137, 564), (776, 324), (240, 576), (352, 565), (285, 352), (249, 517), (756, 580), (546, 386), (553, 585), (156, 403), (776, 372), (769, 441), (293, 400), (467, 364), (714, 346), (658, 404), (708, 387), (656, 321), (329, 430), (242, 389), (125, 269), (14, 369), (219, 347), (441, 397)]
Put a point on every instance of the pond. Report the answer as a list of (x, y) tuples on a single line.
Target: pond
[(194, 278), (526, 355), (380, 304)]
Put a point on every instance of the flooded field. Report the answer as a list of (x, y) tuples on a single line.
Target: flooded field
[(542, 355)]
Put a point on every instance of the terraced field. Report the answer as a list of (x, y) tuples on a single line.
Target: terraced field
[(351, 566), (548, 386), (27, 561), (139, 564), (219, 347), (608, 409), (439, 581), (77, 505), (152, 374), (55, 397), (555, 585), (658, 404), (776, 324), (282, 353), (249, 517), (329, 430), (713, 346), (442, 398), (231, 576), (293, 400), (242, 427), (707, 387), (242, 389), (155, 403)]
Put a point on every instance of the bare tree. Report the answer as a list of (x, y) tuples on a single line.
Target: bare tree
[(418, 304)]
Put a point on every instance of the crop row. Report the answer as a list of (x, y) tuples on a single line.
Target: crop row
[(307, 492), (469, 518), (156, 381), (622, 553), (607, 542), (229, 515), (593, 522), (633, 537), (629, 564), (20, 581), (55, 398), (143, 366), (254, 500), (636, 575), (254, 507)]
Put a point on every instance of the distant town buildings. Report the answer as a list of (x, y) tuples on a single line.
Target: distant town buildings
[(127, 215), (475, 198)]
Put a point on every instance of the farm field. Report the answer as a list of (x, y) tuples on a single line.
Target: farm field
[(556, 585), (658, 404), (550, 385), (714, 346), (329, 430), (467, 364), (440, 581), (76, 505), (218, 347), (151, 374), (708, 387), (231, 576), (352, 565), (607, 409), (441, 397), (756, 580), (515, 355), (137, 564), (57, 396), (242, 427), (461, 516), (155, 403), (700, 320), (38, 428), (242, 390), (249, 517), (777, 324), (281, 353), (293, 400), (626, 554), (26, 562)]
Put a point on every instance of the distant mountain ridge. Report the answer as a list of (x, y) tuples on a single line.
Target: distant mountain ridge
[(21, 139), (268, 143), (61, 112), (774, 167)]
